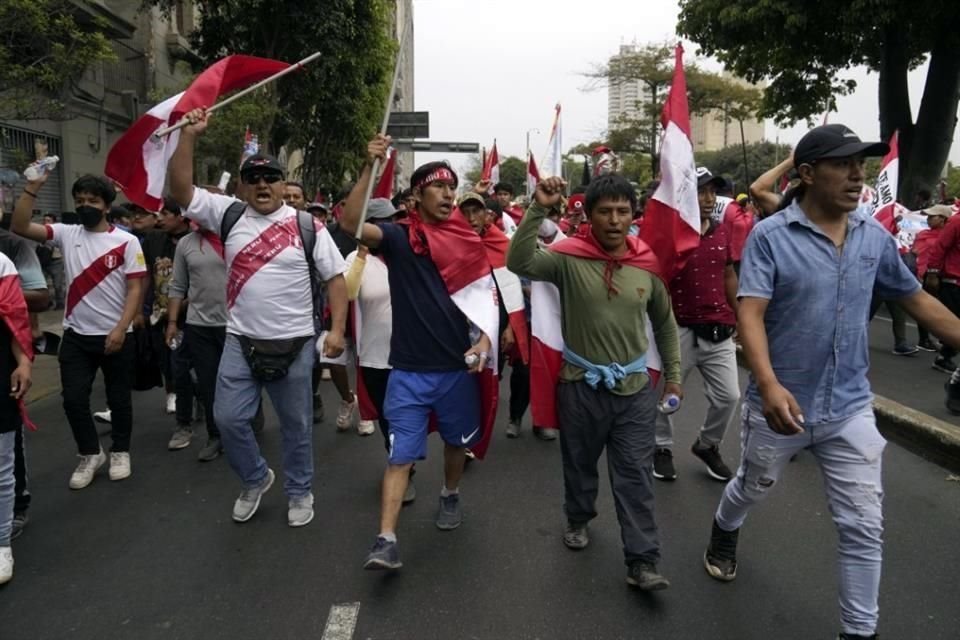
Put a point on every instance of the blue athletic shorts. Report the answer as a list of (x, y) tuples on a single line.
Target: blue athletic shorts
[(453, 396)]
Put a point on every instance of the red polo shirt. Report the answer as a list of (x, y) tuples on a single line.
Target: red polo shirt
[(698, 292)]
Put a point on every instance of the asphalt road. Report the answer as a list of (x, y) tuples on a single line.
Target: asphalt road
[(157, 556)]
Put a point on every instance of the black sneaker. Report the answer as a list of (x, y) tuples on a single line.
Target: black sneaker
[(720, 558), (710, 455), (947, 365), (575, 536), (20, 520), (450, 515), (953, 398), (663, 468), (928, 345), (644, 576), (384, 555)]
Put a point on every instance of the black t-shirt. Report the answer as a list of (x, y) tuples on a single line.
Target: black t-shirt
[(430, 333), (345, 242), (9, 413)]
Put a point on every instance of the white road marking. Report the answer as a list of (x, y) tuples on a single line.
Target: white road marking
[(342, 621)]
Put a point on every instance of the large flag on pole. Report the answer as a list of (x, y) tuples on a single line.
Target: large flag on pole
[(671, 223), (552, 164), (491, 166), (251, 146), (533, 175), (384, 188), (137, 162)]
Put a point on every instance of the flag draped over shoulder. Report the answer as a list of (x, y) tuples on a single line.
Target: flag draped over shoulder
[(546, 348), (671, 222), (460, 257), (13, 311), (497, 243), (137, 162)]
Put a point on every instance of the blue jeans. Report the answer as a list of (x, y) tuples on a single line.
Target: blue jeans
[(7, 483), (236, 400), (849, 453)]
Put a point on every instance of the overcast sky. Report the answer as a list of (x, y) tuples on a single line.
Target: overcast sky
[(496, 69)]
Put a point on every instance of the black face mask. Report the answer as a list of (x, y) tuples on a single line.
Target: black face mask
[(89, 216)]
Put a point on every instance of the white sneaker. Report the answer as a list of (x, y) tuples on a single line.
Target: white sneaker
[(119, 465), (345, 415), (171, 403), (366, 427), (300, 511), (6, 564), (83, 474), (102, 416)]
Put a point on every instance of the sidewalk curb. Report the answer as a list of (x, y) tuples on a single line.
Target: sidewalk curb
[(928, 437)]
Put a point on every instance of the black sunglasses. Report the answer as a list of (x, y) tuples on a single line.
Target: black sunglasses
[(254, 178)]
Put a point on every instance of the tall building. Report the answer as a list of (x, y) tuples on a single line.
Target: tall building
[(403, 100), (106, 100), (626, 100)]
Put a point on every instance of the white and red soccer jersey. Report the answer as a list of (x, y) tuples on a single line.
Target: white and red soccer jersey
[(268, 280), (97, 266)]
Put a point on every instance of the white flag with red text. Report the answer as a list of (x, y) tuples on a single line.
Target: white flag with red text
[(552, 164)]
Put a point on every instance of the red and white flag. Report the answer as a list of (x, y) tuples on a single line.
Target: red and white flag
[(491, 167), (137, 162), (671, 222), (552, 164), (888, 180), (384, 188), (533, 176), (13, 314), (251, 146)]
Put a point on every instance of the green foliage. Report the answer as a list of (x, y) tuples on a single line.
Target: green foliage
[(335, 104), (513, 171), (953, 182), (728, 161), (43, 53)]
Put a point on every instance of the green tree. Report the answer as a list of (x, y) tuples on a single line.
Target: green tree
[(513, 171), (952, 188), (728, 161), (652, 65), (816, 42), (44, 52), (335, 104)]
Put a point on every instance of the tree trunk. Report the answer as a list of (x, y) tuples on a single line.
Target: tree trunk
[(894, 94), (936, 123)]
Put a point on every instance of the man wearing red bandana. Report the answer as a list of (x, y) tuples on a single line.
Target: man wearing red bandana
[(444, 312), (609, 291), (16, 354)]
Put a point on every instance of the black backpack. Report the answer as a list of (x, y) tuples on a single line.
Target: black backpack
[(308, 236)]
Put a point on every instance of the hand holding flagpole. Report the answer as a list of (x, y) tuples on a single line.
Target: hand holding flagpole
[(239, 94), (383, 131)]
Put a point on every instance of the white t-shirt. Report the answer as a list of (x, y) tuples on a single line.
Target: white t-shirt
[(97, 266), (376, 314), (268, 280)]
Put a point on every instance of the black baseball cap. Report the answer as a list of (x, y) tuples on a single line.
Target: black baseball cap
[(704, 177), (834, 141), (261, 163)]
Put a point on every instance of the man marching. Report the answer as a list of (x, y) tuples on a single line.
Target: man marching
[(609, 291)]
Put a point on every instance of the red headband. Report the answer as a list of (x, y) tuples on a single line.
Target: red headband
[(440, 175)]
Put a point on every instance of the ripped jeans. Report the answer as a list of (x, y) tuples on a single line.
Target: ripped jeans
[(849, 453)]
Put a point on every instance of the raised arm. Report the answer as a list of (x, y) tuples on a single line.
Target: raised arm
[(353, 207), (20, 222), (525, 258), (180, 169), (763, 188)]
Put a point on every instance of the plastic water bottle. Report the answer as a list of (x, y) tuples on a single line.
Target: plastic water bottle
[(176, 341), (471, 360), (669, 404), (41, 168)]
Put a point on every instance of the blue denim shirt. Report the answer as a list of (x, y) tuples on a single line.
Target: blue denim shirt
[(819, 306)]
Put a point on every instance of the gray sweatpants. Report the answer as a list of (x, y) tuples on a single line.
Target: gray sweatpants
[(717, 363), (591, 419)]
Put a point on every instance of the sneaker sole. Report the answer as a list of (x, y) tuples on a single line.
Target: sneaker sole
[(178, 446), (6, 579), (512, 435), (576, 547), (715, 573), (208, 458), (905, 353), (660, 476), (100, 420), (939, 368), (300, 523), (448, 527), (256, 506), (656, 585), (381, 565), (77, 487)]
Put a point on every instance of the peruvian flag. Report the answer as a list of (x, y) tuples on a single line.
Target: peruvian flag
[(13, 311), (384, 188), (497, 243), (533, 176), (671, 222), (491, 167), (885, 191), (546, 347), (553, 161), (461, 260), (137, 162)]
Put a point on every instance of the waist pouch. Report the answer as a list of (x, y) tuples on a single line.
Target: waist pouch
[(269, 360), (712, 332)]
